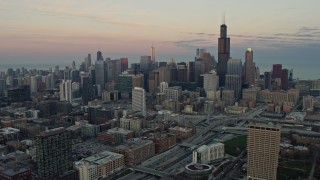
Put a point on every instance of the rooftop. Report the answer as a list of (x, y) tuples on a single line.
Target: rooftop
[(14, 171), (52, 132), (100, 158)]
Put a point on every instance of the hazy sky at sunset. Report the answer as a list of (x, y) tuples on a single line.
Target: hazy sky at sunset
[(53, 31)]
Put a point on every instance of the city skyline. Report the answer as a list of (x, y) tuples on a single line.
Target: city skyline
[(44, 31)]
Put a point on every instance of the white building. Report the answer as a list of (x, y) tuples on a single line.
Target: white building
[(139, 100), (163, 86), (100, 165), (210, 81), (206, 153), (308, 102), (66, 90), (34, 84), (173, 93)]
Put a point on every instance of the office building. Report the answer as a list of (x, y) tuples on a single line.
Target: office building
[(249, 67), (124, 64), (138, 81), (113, 70), (139, 100), (99, 56), (223, 53), (284, 79), (210, 81), (173, 93), (153, 53), (233, 83), (191, 71), (136, 150), (263, 148), (99, 68), (182, 72), (87, 89), (53, 153), (276, 71), (124, 84), (153, 82), (228, 97), (205, 154), (267, 80), (99, 166)]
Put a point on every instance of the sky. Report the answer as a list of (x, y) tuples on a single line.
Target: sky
[(60, 31)]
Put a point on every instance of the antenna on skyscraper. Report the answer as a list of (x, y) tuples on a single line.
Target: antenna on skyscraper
[(223, 18)]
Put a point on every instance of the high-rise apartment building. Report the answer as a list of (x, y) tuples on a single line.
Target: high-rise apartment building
[(53, 153), (223, 54), (139, 100), (263, 150), (249, 67), (66, 90)]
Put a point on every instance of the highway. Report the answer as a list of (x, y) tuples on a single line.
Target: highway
[(174, 159)]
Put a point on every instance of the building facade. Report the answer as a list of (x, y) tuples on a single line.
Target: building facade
[(139, 100), (205, 154), (263, 147), (53, 153), (100, 165)]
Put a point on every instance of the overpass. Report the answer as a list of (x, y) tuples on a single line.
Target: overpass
[(243, 130), (150, 171)]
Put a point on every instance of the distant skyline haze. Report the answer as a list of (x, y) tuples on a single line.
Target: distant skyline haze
[(44, 31)]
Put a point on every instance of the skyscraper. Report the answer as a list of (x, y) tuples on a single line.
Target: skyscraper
[(210, 81), (223, 54), (153, 53), (100, 73), (267, 80), (263, 149), (233, 77), (66, 91), (87, 89), (53, 153), (284, 79), (99, 56), (276, 71), (249, 68), (124, 64), (139, 100)]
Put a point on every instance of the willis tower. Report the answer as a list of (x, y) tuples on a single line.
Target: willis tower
[(223, 54)]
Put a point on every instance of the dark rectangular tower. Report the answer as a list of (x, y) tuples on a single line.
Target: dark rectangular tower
[(223, 54)]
